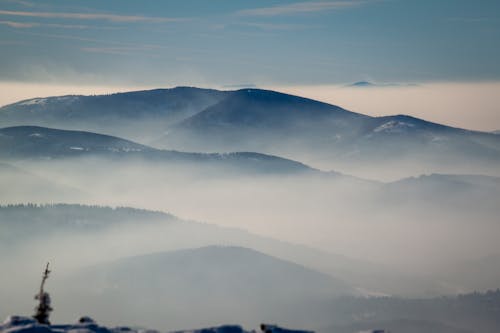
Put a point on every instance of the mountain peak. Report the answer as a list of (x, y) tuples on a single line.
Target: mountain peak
[(261, 108), (362, 84)]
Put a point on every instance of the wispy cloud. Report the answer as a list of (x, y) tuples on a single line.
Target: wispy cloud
[(21, 25), (111, 46), (301, 7), (21, 2), (273, 26), (260, 26), (467, 19), (120, 50), (92, 16), (78, 38), (26, 25)]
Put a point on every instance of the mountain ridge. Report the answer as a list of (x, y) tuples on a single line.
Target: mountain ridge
[(21, 142), (214, 282), (270, 122), (154, 94), (155, 109)]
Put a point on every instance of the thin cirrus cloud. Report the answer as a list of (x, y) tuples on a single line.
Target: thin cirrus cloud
[(121, 50), (301, 7), (467, 19), (27, 25), (92, 16), (78, 38), (273, 26), (21, 25), (22, 2)]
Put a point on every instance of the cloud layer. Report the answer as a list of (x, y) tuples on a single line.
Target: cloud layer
[(300, 7), (90, 16)]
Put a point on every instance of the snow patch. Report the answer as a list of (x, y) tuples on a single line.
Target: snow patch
[(20, 324), (438, 139), (220, 329), (76, 148), (48, 100), (17, 321), (36, 135), (393, 126), (124, 149), (65, 98), (34, 101)]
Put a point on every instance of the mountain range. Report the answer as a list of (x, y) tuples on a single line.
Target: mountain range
[(216, 284), (265, 194), (41, 143), (320, 134), (113, 114), (254, 159), (22, 226)]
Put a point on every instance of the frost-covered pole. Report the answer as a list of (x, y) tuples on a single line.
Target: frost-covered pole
[(43, 309)]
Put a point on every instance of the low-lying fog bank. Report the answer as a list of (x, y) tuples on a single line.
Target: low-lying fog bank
[(418, 224)]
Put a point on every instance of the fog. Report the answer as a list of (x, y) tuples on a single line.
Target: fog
[(471, 105), (12, 91), (251, 237), (347, 235), (455, 219)]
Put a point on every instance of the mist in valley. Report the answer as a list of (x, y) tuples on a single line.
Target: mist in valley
[(205, 234), (454, 216), (208, 166), (238, 224)]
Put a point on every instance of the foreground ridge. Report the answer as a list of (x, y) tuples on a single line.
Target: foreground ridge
[(20, 324)]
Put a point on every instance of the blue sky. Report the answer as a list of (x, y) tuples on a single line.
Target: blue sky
[(262, 42)]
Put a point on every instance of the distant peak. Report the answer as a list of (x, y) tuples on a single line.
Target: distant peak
[(368, 84), (362, 84)]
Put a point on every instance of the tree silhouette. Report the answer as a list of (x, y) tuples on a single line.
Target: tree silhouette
[(42, 311)]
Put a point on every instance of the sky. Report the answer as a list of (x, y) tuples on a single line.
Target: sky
[(114, 45)]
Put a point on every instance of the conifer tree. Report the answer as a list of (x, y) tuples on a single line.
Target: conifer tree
[(42, 311)]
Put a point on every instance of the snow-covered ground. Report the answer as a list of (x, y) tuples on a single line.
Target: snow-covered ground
[(20, 324)]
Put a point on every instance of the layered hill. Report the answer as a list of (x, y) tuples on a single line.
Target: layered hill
[(16, 182), (116, 114), (40, 143), (270, 122), (216, 284), (31, 226), (308, 130)]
